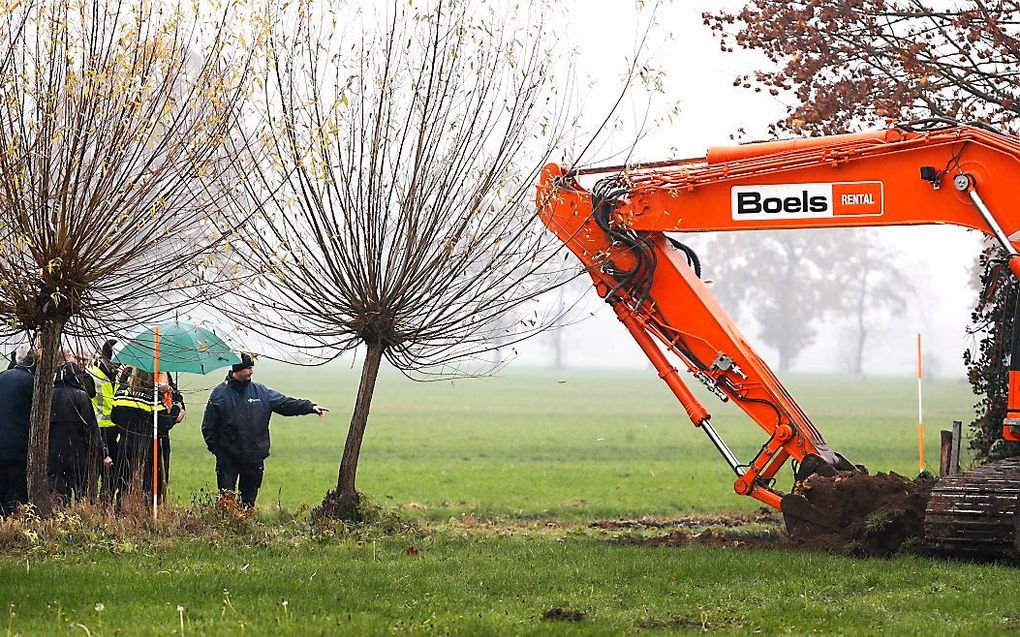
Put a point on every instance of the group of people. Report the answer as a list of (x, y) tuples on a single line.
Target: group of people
[(101, 429)]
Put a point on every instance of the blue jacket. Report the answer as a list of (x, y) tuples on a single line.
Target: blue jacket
[(236, 422), (15, 406)]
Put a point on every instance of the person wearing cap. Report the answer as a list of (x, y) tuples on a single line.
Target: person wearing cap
[(236, 430)]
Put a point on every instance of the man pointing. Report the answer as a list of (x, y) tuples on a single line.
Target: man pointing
[(236, 430)]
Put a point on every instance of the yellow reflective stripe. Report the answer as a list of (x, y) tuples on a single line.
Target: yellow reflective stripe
[(136, 403)]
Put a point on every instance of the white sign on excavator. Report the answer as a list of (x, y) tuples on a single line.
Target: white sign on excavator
[(807, 201)]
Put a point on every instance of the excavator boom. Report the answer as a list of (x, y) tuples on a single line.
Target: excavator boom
[(927, 172)]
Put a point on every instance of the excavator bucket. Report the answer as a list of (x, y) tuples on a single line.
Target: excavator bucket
[(802, 518)]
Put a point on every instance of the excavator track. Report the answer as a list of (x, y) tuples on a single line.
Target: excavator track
[(976, 514)]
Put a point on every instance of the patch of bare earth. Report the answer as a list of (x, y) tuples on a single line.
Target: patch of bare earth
[(866, 515), (557, 614), (762, 528)]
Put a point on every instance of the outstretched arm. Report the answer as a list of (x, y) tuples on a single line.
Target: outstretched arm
[(287, 406)]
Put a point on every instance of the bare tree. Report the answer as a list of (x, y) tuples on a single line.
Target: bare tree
[(783, 279), (873, 286), (790, 282), (566, 303), (113, 117), (397, 192)]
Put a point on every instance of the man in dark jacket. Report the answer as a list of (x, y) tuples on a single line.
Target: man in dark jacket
[(15, 406), (74, 437), (236, 429)]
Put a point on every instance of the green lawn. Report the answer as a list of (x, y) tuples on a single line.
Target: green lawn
[(530, 444), (502, 585), (514, 450)]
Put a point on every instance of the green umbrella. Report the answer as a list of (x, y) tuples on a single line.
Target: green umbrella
[(183, 347), (173, 347)]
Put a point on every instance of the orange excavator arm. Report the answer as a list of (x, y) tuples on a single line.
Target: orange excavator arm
[(928, 172)]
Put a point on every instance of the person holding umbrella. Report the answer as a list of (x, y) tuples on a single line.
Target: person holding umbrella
[(168, 347), (137, 396), (236, 430)]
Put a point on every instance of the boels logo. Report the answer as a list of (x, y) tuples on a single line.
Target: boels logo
[(807, 201)]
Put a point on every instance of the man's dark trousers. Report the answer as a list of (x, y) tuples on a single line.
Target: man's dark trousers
[(13, 486), (244, 476)]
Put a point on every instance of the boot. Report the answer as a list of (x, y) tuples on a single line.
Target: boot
[(226, 502)]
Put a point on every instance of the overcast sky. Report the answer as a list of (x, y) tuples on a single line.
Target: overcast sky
[(700, 77)]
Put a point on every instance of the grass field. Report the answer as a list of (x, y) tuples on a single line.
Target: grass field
[(529, 444), (540, 458)]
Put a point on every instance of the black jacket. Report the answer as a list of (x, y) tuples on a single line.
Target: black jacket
[(15, 406), (138, 421), (236, 421), (74, 432)]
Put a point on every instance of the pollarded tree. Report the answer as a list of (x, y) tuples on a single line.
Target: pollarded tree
[(857, 62), (397, 190), (112, 119)]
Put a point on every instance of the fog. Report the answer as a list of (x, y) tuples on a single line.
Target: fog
[(699, 77)]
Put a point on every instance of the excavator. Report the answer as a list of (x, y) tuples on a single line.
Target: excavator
[(623, 230)]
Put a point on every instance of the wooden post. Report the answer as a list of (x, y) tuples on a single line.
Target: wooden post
[(946, 453), (954, 456)]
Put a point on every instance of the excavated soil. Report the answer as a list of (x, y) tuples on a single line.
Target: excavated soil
[(868, 515), (761, 529)]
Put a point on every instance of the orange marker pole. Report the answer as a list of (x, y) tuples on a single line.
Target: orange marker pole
[(920, 415), (155, 426)]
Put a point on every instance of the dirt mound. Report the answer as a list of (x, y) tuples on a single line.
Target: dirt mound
[(866, 515), (557, 614), (869, 515)]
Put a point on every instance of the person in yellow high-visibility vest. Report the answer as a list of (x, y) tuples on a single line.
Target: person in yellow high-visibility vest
[(132, 413), (103, 373)]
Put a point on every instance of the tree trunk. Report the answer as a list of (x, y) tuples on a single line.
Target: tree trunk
[(862, 336), (787, 350), (39, 421), (557, 347), (556, 334), (345, 500), (862, 331)]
